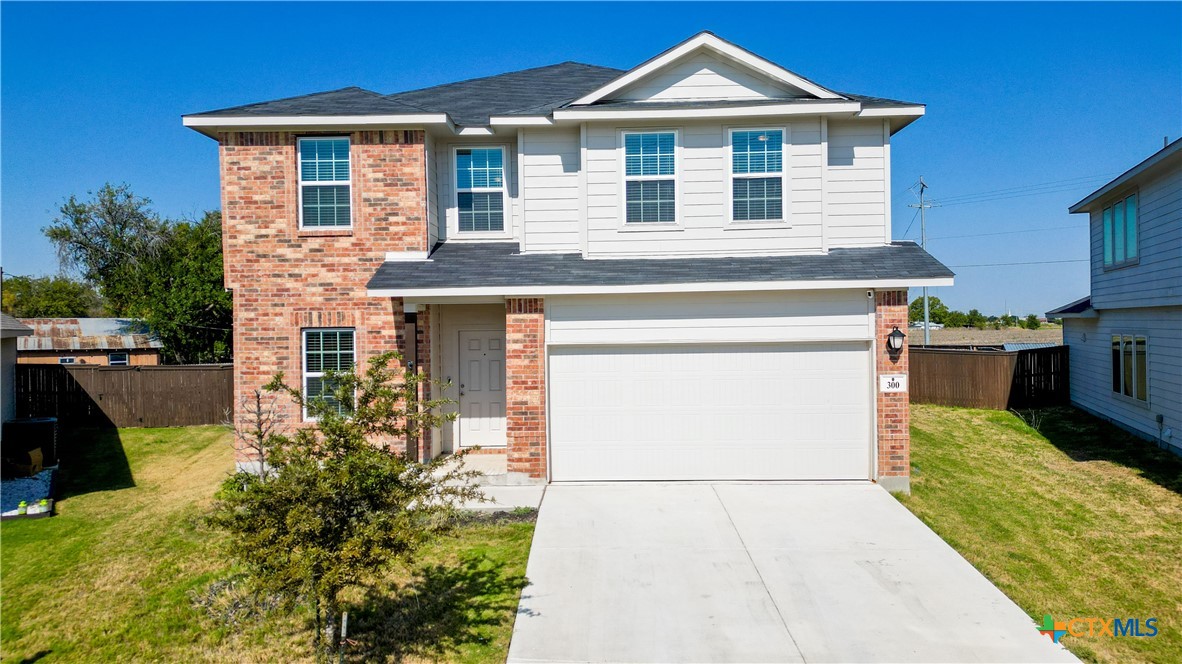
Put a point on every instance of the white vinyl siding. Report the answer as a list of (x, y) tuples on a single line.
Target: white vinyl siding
[(325, 350), (550, 189), (445, 163), (1091, 376), (703, 76), (1155, 278), (325, 187), (704, 206), (857, 173)]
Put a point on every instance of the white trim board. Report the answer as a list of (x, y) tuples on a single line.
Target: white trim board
[(706, 41), (428, 294)]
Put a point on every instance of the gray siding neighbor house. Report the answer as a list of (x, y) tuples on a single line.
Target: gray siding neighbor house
[(1126, 337)]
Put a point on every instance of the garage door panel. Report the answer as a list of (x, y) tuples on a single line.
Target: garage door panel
[(784, 411)]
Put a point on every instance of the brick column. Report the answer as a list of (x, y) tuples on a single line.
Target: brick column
[(525, 386), (894, 409)]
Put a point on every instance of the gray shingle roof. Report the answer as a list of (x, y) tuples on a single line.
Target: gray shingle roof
[(528, 91), (461, 265), (11, 327), (1078, 307), (346, 101)]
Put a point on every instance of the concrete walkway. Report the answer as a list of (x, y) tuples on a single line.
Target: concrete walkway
[(651, 572)]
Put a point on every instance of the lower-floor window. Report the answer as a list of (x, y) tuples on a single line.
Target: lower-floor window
[(65, 360), (117, 359), (1130, 365), (326, 350)]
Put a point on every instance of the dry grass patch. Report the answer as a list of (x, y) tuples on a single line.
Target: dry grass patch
[(1074, 519)]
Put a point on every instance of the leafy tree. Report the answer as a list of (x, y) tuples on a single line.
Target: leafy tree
[(976, 319), (182, 296), (937, 310), (107, 239), (1009, 320), (49, 297), (333, 509), (956, 319), (167, 273), (1032, 322)]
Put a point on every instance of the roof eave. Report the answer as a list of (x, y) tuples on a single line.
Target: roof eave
[(820, 107), (211, 125), (698, 287), (1121, 180)]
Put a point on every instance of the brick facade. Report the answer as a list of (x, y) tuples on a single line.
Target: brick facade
[(285, 279), (894, 410), (525, 385)]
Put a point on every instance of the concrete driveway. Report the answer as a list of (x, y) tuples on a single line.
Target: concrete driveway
[(652, 572)]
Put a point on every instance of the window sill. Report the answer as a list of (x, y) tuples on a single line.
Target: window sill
[(1132, 401), (650, 227), (325, 232), (1121, 266), (756, 225)]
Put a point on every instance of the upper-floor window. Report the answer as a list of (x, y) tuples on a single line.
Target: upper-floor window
[(117, 359), (325, 183), (757, 175), (1120, 232), (326, 350), (650, 182), (65, 360), (1130, 377), (480, 189)]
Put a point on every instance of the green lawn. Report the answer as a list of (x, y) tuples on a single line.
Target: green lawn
[(1072, 517), (128, 571)]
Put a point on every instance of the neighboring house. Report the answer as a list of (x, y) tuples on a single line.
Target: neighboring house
[(1126, 337), (10, 331), (93, 341), (680, 271)]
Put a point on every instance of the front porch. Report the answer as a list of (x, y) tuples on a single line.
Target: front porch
[(488, 358)]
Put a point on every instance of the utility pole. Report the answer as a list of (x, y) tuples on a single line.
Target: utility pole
[(923, 242)]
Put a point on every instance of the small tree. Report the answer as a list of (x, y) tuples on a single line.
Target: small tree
[(333, 508), (1032, 322)]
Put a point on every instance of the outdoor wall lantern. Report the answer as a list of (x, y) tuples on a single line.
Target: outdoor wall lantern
[(895, 340)]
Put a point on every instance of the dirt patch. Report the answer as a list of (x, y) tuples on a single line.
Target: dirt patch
[(966, 335)]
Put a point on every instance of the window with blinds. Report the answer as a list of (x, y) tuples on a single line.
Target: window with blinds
[(757, 175), (650, 183), (325, 184)]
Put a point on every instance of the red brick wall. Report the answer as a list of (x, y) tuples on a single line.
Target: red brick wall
[(894, 412), (525, 384), (285, 279)]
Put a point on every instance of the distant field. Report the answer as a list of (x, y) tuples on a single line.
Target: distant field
[(965, 335)]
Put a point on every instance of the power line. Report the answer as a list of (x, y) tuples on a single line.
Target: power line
[(1025, 230), (913, 218), (1077, 260), (1035, 185)]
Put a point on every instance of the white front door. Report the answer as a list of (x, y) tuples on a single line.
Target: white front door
[(482, 388)]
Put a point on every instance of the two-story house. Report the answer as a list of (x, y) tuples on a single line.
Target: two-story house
[(1125, 338), (679, 271)]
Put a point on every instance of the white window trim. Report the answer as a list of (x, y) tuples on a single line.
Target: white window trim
[(785, 166), (621, 155), (1111, 205), (304, 360), (506, 204), (1133, 400), (126, 359), (301, 183), (67, 360)]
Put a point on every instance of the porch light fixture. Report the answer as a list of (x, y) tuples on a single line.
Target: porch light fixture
[(895, 340)]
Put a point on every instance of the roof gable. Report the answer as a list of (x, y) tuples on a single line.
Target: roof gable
[(707, 67)]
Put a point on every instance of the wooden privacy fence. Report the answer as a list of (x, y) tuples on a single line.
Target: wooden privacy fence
[(996, 379), (152, 396)]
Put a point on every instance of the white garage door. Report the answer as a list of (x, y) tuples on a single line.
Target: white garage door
[(710, 412)]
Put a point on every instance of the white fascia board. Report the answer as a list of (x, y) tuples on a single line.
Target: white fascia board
[(893, 112), (476, 131), (426, 294), (237, 121), (407, 256), (520, 121), (705, 40), (761, 110)]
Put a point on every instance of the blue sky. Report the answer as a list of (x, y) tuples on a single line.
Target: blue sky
[(1018, 95)]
